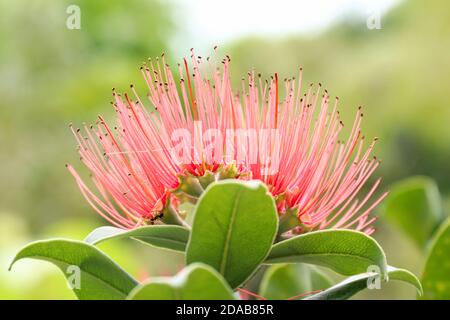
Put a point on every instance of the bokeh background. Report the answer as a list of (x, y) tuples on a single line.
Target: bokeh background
[(51, 76)]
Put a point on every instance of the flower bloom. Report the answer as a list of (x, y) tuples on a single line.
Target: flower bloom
[(198, 126)]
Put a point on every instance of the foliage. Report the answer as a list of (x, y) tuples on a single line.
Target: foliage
[(288, 281), (196, 282), (412, 200), (232, 235), (415, 207), (233, 230), (435, 279), (100, 277)]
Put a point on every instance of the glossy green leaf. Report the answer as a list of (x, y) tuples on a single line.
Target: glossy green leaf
[(99, 276), (352, 285), (436, 275), (195, 282), (412, 200), (290, 281), (234, 226), (345, 251), (171, 237)]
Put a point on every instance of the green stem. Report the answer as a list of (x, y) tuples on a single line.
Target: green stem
[(288, 221), (170, 216)]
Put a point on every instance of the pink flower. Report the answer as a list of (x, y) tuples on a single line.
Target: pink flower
[(200, 126)]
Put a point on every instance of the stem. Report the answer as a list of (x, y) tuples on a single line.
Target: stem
[(288, 221), (170, 216)]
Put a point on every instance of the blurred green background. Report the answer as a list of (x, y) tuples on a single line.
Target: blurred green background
[(51, 76)]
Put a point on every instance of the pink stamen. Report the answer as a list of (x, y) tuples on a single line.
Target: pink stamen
[(319, 174)]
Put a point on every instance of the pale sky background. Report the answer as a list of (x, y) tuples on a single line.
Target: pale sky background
[(206, 23)]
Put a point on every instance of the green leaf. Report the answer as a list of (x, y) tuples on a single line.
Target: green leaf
[(287, 281), (345, 251), (100, 277), (171, 237), (436, 275), (195, 282), (352, 285), (234, 226), (411, 200)]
